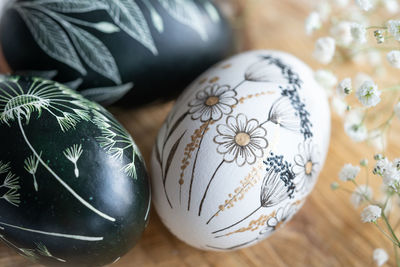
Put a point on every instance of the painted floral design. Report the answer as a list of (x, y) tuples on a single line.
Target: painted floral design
[(241, 140), (213, 102), (283, 114), (306, 165), (64, 105), (277, 186), (273, 222), (266, 70), (9, 189)]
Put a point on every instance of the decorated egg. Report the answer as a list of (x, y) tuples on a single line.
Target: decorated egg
[(240, 150), (73, 185), (104, 48)]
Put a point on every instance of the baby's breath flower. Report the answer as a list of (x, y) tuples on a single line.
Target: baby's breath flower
[(394, 58), (324, 49), (365, 4), (389, 172), (368, 94), (354, 127), (348, 172), (396, 163), (342, 33), (392, 6), (360, 195), (324, 9), (380, 256), (313, 22), (394, 28), (344, 87), (371, 213), (339, 106), (358, 33), (360, 78), (326, 79)]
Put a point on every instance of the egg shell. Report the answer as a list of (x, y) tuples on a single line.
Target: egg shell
[(73, 185), (106, 48), (240, 150)]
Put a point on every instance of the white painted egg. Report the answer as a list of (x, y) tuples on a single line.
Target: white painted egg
[(240, 151)]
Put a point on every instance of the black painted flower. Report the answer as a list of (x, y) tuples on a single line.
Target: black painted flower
[(306, 165), (271, 69), (278, 182), (241, 140), (213, 102), (282, 113)]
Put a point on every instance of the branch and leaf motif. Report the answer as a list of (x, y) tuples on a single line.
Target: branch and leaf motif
[(64, 38)]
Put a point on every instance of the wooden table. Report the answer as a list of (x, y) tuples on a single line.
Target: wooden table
[(326, 232)]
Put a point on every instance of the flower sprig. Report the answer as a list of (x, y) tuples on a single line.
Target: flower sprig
[(363, 32)]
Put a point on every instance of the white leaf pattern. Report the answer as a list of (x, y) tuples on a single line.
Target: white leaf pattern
[(187, 13), (51, 38), (128, 16), (72, 6), (94, 53), (107, 95)]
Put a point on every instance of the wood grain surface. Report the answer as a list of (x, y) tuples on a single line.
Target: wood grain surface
[(326, 232)]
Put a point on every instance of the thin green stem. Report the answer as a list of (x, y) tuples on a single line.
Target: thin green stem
[(386, 234), (390, 228)]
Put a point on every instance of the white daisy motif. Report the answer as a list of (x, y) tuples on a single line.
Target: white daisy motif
[(213, 102), (306, 165), (241, 140)]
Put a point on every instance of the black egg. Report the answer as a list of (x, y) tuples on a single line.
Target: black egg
[(73, 185), (105, 48)]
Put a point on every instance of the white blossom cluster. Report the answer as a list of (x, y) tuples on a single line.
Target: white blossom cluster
[(365, 33)]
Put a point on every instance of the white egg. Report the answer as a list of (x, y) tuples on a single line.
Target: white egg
[(240, 151)]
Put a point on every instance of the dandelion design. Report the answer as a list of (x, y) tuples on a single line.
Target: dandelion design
[(306, 165), (277, 186), (31, 254), (284, 115), (240, 140), (66, 106), (273, 222), (73, 154), (116, 141), (43, 250), (30, 165), (10, 186)]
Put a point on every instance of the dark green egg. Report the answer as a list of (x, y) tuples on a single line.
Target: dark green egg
[(105, 48), (73, 185)]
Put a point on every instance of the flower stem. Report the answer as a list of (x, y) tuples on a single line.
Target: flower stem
[(208, 186), (66, 186), (236, 223), (386, 234), (390, 228)]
